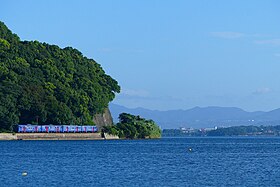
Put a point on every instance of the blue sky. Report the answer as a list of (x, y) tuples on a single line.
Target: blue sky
[(167, 54)]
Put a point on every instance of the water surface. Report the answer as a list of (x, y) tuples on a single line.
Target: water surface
[(165, 162)]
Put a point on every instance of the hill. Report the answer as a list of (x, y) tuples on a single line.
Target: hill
[(133, 127), (44, 83), (202, 117)]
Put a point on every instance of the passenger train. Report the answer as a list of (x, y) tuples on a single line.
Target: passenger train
[(56, 129)]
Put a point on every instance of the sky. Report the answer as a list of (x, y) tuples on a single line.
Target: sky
[(167, 54)]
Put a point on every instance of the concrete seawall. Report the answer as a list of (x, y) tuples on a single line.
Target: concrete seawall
[(110, 137), (8, 136), (53, 136)]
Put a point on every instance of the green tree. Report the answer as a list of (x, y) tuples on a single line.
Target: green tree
[(132, 127), (45, 82)]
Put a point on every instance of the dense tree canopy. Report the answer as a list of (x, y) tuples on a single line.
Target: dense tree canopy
[(42, 82), (132, 127)]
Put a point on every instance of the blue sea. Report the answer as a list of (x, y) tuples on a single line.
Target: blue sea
[(239, 161)]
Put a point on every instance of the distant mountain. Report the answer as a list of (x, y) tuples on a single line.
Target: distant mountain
[(201, 117), (273, 115)]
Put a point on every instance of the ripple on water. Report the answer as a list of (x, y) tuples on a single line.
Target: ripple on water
[(164, 162)]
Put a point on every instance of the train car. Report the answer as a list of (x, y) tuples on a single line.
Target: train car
[(69, 128), (75, 128), (37, 128), (84, 128), (89, 129), (28, 128), (78, 129), (51, 129), (21, 128), (44, 128), (65, 128), (56, 129)]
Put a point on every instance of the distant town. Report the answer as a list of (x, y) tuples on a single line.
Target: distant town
[(224, 131)]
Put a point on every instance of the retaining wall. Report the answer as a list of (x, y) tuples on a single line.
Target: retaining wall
[(51, 136)]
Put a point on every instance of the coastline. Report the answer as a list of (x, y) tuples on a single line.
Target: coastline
[(56, 136)]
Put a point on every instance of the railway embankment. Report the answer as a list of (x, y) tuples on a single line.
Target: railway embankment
[(8, 136), (54, 136)]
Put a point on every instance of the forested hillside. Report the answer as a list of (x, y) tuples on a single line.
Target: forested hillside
[(43, 83)]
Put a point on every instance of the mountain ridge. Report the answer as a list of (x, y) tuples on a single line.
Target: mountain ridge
[(202, 117)]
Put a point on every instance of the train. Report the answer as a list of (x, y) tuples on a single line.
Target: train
[(56, 129)]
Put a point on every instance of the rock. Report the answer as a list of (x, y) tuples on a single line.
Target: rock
[(103, 119)]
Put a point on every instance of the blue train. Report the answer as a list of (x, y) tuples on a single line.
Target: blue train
[(56, 129)]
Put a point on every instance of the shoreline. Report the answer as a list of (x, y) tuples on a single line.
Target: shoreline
[(56, 136)]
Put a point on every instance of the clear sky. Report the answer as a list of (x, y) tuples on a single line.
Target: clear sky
[(167, 54)]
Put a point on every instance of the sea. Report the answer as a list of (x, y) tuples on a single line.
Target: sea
[(191, 161)]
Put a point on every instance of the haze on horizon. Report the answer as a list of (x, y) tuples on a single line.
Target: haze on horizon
[(167, 54)]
